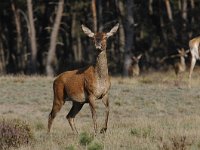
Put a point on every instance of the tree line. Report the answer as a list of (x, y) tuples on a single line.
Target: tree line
[(45, 37)]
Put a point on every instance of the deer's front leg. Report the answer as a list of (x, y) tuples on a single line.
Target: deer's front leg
[(106, 103), (93, 111)]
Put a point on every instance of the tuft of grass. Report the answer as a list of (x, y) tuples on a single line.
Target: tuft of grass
[(118, 103), (146, 81), (39, 126), (135, 132), (85, 138), (70, 147), (175, 143), (14, 133), (95, 145), (142, 132)]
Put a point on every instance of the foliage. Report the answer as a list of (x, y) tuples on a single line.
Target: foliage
[(14, 133), (142, 132), (70, 147), (95, 145), (174, 143), (39, 126), (155, 35), (85, 138)]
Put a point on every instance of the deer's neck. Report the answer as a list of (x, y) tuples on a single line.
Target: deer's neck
[(101, 66), (182, 61)]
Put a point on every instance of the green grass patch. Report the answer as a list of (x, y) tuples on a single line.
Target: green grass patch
[(85, 138)]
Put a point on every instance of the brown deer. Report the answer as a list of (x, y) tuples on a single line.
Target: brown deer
[(85, 85), (134, 69), (180, 65), (194, 45)]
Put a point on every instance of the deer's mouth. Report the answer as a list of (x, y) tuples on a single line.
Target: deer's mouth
[(98, 47)]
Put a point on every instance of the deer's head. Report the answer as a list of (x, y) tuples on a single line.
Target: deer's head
[(135, 60), (182, 52), (100, 38)]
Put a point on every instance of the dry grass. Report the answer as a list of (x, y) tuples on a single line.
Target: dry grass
[(147, 113)]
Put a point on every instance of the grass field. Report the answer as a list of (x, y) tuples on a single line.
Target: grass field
[(146, 113)]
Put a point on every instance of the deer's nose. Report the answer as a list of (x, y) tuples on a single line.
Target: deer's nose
[(98, 45)]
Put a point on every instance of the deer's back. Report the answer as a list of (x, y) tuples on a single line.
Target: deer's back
[(73, 83)]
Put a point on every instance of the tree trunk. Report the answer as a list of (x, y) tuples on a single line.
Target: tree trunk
[(129, 35), (20, 61), (100, 19), (184, 11), (163, 33), (121, 27), (179, 5), (94, 15), (184, 18), (32, 36), (80, 56), (192, 4), (52, 48), (43, 33), (73, 33), (76, 40), (169, 13), (150, 7), (2, 60), (192, 8)]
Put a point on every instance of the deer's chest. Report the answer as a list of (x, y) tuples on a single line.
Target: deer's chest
[(182, 68), (101, 87)]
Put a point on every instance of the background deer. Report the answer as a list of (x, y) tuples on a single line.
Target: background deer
[(85, 85), (180, 65), (194, 45), (134, 69)]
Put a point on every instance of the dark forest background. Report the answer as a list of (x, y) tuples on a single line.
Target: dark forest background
[(45, 36)]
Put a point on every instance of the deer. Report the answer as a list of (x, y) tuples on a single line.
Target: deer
[(179, 65), (85, 85), (134, 69), (194, 46)]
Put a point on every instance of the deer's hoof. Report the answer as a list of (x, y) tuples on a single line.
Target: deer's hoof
[(103, 130)]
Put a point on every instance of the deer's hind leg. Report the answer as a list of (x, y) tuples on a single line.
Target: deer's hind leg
[(57, 103), (192, 64), (76, 107)]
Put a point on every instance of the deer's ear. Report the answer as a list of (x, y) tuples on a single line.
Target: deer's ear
[(139, 56), (133, 58), (187, 51), (113, 30), (179, 51), (87, 31)]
